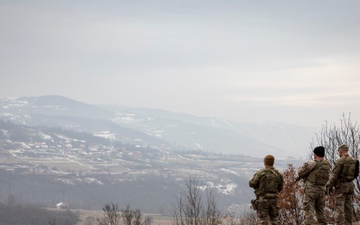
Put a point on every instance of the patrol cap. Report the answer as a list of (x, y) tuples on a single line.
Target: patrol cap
[(269, 160), (319, 151)]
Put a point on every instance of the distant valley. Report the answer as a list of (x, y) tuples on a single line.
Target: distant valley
[(55, 149)]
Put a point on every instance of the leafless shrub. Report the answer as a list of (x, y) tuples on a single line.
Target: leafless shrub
[(290, 199), (191, 209), (111, 215)]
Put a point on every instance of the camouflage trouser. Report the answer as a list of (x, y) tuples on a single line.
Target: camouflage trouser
[(343, 203), (314, 204), (267, 210)]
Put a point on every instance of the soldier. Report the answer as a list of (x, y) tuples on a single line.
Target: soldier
[(341, 179), (267, 183), (315, 174)]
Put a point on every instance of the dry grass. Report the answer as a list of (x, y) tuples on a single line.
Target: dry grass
[(84, 215)]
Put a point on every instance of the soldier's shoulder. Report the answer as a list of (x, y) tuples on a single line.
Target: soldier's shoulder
[(326, 161), (351, 159), (260, 172), (311, 164), (276, 171), (263, 171), (340, 160)]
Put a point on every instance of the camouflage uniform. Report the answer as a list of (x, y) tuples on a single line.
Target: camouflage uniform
[(342, 179), (267, 183), (315, 174)]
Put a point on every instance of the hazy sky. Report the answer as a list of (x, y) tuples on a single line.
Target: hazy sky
[(296, 62)]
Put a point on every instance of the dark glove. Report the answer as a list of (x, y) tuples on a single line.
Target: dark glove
[(329, 189)]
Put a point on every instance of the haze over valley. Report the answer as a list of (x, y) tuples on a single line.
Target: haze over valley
[(55, 149)]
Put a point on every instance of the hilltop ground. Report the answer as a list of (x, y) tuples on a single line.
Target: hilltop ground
[(91, 215)]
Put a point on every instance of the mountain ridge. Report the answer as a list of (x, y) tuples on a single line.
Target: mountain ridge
[(176, 129)]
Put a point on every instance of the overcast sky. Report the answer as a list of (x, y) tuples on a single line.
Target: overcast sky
[(295, 62)]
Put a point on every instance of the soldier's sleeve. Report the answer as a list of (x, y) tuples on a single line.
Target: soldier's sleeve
[(302, 170), (306, 168), (281, 183), (335, 173), (254, 182)]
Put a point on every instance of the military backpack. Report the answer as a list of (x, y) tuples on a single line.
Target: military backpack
[(269, 183), (350, 169)]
